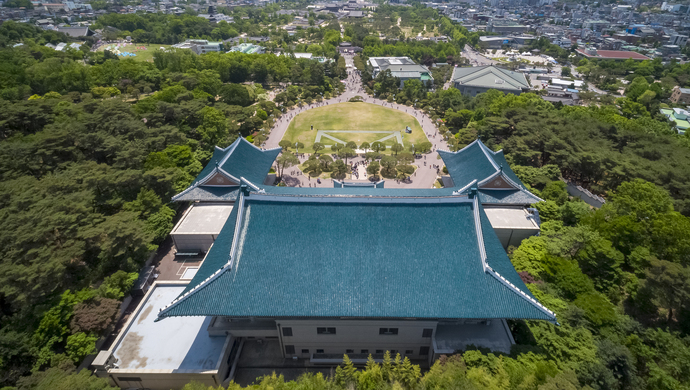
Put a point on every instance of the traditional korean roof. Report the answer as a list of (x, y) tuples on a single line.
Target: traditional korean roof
[(489, 172), (490, 76), (224, 172), (343, 254)]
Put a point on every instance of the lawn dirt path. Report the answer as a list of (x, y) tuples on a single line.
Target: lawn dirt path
[(427, 165)]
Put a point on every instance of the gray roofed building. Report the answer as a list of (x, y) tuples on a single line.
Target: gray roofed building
[(479, 79), (76, 32), (401, 67)]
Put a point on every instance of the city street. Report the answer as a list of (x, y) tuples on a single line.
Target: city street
[(426, 172)]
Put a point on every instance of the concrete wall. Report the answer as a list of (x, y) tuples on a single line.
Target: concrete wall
[(193, 242), (355, 335), (582, 193), (474, 91), (514, 236), (161, 379)]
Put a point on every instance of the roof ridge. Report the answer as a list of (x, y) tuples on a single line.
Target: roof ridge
[(476, 69), (456, 152), (219, 271), (520, 293), (480, 234), (510, 73), (477, 74), (490, 158), (487, 268)]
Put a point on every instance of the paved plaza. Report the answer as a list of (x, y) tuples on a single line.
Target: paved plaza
[(427, 166)]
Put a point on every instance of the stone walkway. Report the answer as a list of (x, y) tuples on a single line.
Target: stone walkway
[(426, 173)]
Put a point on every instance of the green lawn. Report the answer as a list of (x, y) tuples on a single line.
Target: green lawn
[(353, 116), (144, 52)]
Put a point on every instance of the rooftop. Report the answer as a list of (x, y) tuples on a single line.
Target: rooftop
[(510, 218), (374, 260), (149, 345), (490, 76), (203, 218), (615, 54)]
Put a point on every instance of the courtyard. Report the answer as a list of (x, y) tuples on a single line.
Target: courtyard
[(356, 122)]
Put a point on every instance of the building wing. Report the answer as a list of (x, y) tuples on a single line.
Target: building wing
[(349, 255), (220, 178), (477, 165)]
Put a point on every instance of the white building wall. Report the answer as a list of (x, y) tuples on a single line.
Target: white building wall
[(355, 335)]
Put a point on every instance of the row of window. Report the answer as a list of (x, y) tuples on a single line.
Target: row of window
[(287, 331), (423, 351)]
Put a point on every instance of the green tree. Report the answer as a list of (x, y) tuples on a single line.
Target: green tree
[(325, 161), (352, 145), (378, 147), (317, 146), (286, 160), (388, 164), (373, 169), (336, 147), (669, 284), (338, 169), (396, 147), (79, 345), (285, 144), (365, 146), (346, 153)]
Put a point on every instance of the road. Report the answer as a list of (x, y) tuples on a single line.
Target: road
[(424, 176), (475, 58)]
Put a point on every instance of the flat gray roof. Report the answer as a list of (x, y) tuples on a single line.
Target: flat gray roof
[(510, 218), (180, 343), (204, 219)]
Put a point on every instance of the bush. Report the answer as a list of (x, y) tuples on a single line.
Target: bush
[(79, 345), (94, 316), (598, 310)]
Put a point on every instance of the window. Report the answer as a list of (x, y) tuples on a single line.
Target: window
[(388, 331), (394, 352), (325, 330), (427, 332), (289, 349), (128, 379), (287, 332), (349, 351), (319, 351), (409, 352), (379, 351), (305, 351), (424, 351), (365, 351)]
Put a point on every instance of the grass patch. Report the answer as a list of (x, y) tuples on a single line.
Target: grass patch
[(353, 116), (144, 52)]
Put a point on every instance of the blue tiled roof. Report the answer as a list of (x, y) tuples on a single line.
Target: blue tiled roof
[(477, 162), (516, 197), (349, 256), (240, 160), (209, 194)]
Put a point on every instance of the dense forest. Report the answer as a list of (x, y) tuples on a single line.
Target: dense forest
[(89, 158), (92, 147)]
